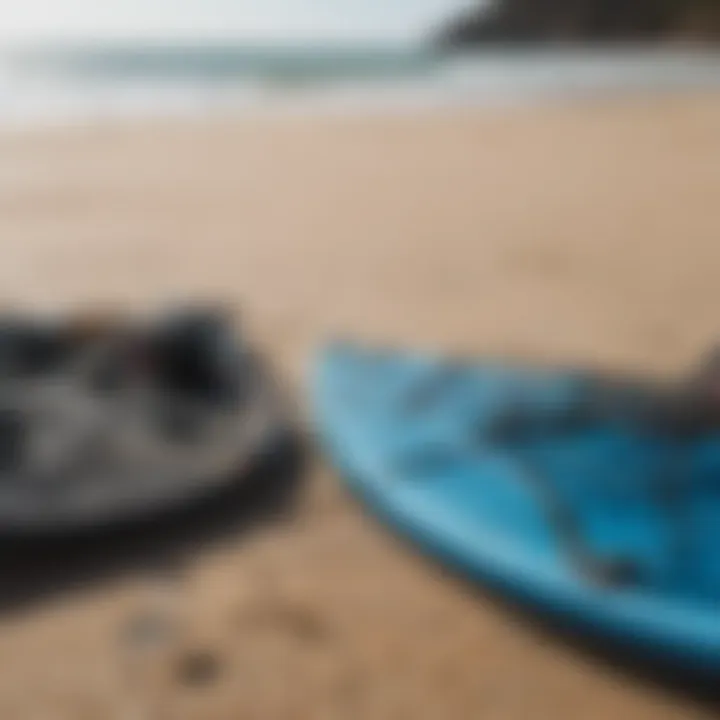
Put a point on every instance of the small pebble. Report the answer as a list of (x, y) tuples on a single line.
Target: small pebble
[(197, 668)]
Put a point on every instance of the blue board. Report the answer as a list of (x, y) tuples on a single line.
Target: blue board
[(413, 437)]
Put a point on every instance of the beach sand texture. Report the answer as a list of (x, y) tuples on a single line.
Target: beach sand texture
[(587, 232)]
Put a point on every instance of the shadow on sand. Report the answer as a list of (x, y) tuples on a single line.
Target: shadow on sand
[(626, 663), (36, 568)]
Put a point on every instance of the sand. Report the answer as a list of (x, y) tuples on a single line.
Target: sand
[(587, 232)]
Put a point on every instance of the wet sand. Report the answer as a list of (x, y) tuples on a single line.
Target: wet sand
[(584, 233)]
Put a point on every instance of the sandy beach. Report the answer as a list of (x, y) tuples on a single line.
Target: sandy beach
[(581, 233)]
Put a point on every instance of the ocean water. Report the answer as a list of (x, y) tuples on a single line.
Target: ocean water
[(56, 85)]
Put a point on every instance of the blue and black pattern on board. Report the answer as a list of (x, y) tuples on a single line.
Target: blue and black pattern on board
[(590, 519)]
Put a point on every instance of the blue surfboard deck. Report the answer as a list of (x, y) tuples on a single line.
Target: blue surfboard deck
[(428, 467)]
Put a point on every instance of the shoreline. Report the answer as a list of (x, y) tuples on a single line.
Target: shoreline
[(288, 112)]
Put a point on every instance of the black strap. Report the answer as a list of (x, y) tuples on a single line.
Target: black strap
[(617, 571)]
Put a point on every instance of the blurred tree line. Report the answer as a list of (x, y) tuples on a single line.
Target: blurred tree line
[(585, 20)]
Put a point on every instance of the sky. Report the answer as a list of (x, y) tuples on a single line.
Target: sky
[(24, 21)]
